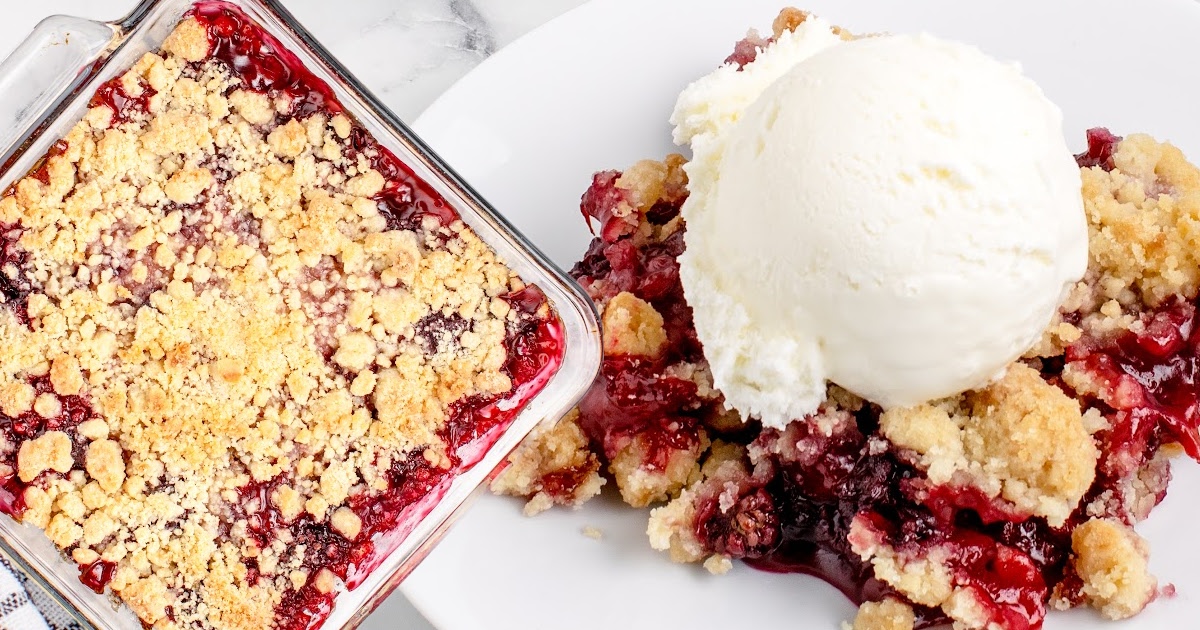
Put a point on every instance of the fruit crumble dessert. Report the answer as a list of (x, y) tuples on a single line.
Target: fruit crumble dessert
[(244, 343), (984, 509)]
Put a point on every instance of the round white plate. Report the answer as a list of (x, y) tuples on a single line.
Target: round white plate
[(591, 91)]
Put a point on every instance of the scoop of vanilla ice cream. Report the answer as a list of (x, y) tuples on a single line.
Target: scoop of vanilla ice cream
[(899, 215)]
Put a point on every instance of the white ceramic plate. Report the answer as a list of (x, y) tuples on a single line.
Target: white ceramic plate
[(592, 90)]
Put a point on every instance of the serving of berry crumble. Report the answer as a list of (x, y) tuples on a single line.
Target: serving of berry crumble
[(985, 509), (244, 345)]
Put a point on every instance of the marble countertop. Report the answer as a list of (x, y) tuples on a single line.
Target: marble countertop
[(406, 51)]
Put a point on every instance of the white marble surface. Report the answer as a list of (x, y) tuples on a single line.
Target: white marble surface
[(406, 51)]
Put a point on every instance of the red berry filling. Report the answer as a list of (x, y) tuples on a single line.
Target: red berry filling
[(123, 105), (1155, 373), (1101, 145)]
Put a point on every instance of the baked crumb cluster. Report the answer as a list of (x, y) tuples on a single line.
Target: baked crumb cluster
[(218, 347), (553, 465), (984, 509), (1022, 442)]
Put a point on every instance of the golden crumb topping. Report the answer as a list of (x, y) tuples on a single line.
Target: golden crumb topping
[(672, 526), (1144, 218), (641, 485), (216, 278), (1143, 240), (671, 529), (790, 18), (649, 183), (1021, 439), (924, 578), (632, 327), (1111, 559), (889, 614), (553, 465)]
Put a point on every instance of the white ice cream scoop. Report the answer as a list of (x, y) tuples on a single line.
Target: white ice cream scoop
[(899, 215)]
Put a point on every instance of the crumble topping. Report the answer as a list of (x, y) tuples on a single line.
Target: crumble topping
[(1144, 218), (189, 42), (641, 485), (718, 564), (925, 578), (720, 482), (1143, 207), (1133, 496), (632, 327), (552, 466), (888, 614), (16, 398), (217, 279), (789, 19), (1111, 560), (671, 529), (49, 451), (1021, 439), (649, 182)]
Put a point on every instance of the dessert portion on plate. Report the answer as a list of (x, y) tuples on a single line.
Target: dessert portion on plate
[(243, 342), (984, 501)]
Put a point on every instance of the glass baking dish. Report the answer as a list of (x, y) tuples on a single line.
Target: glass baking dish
[(45, 86)]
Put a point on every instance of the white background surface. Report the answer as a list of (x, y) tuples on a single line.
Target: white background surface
[(406, 51)]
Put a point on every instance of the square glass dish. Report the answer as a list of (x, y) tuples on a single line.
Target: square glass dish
[(315, 493)]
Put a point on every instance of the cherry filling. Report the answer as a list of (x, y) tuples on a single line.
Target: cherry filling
[(746, 50), (123, 105), (819, 495), (1005, 581), (600, 202), (1154, 375), (97, 575), (405, 200), (1101, 145), (633, 397), (263, 65)]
